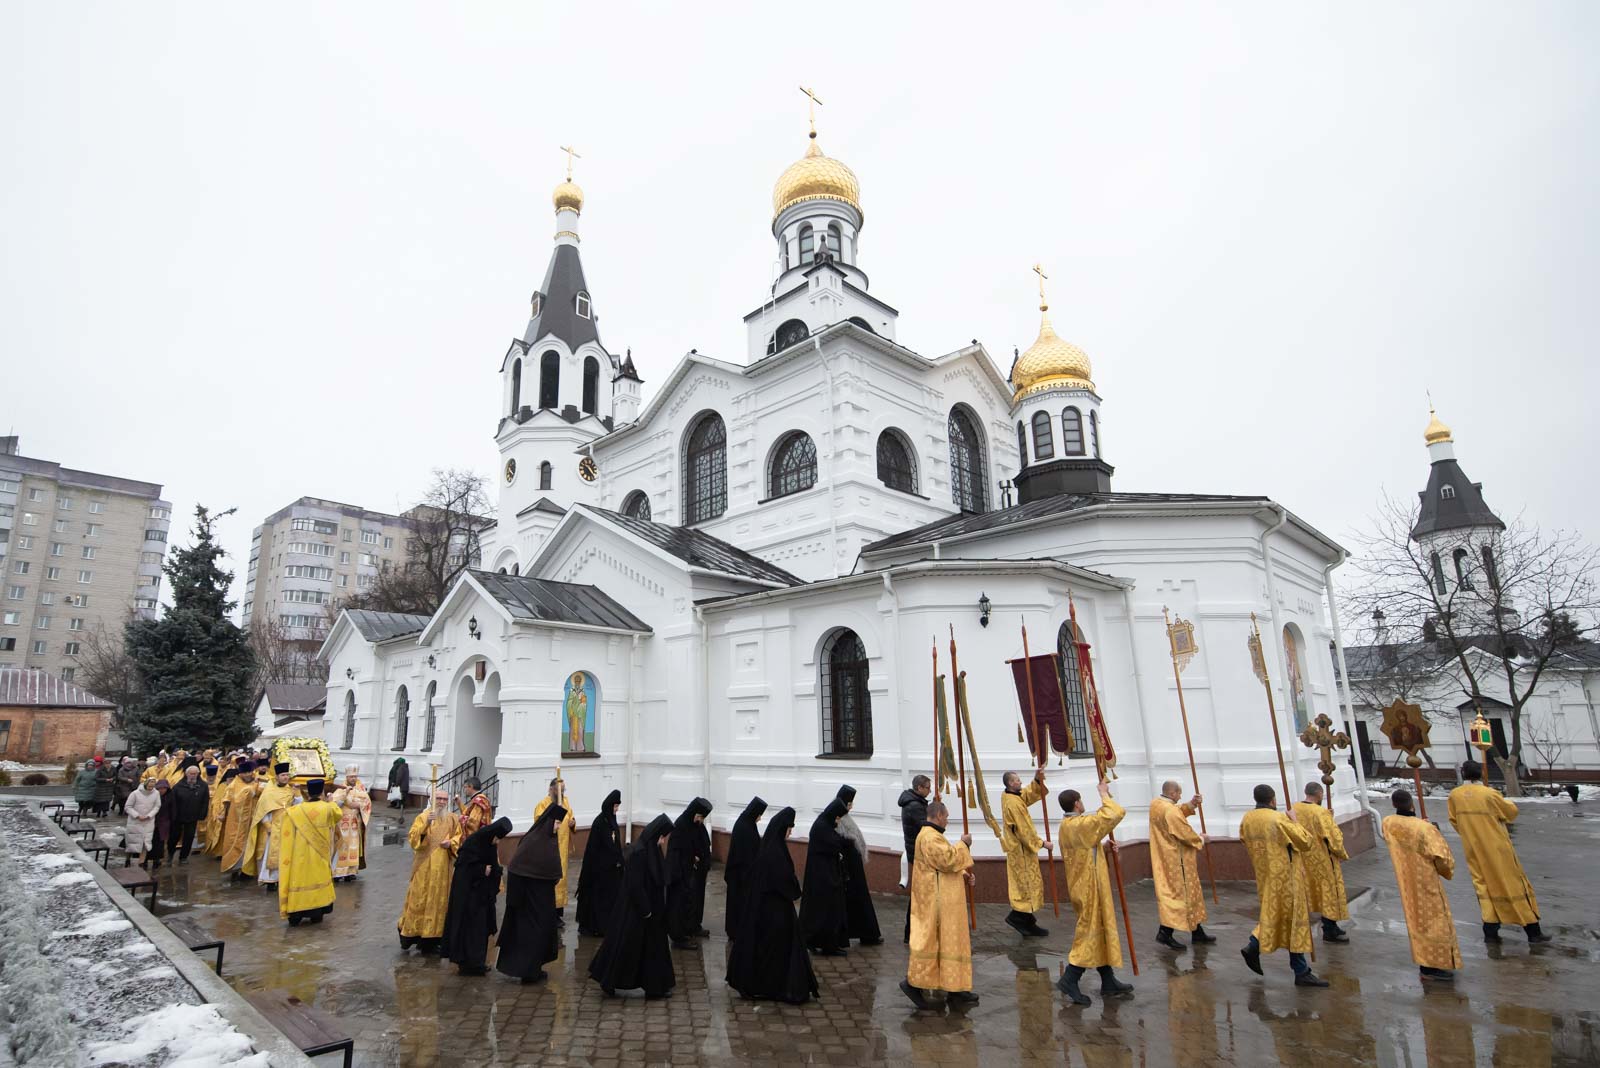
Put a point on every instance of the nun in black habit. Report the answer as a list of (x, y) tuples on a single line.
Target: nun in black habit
[(469, 920), (688, 860), (601, 877), (769, 958), (822, 909), (634, 955), (530, 937), (737, 871), (861, 919)]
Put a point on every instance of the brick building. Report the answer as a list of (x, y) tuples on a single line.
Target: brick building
[(45, 719)]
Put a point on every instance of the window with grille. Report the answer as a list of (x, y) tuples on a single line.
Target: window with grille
[(846, 704), (1072, 688), (546, 472), (789, 332), (968, 486), (794, 465), (349, 720), (637, 505), (705, 470), (1072, 432), (1044, 446), (550, 380), (402, 717), (1022, 444), (429, 719), (895, 466)]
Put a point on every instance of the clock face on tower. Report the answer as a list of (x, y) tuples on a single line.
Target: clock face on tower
[(511, 471), (587, 469)]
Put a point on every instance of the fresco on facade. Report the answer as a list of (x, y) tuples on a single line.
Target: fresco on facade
[(580, 704)]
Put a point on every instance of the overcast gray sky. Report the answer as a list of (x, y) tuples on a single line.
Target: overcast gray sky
[(259, 252)]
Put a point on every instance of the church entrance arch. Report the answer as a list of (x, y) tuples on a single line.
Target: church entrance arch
[(476, 720)]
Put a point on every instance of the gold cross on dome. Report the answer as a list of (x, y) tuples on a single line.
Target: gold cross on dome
[(812, 107), (571, 155), (1038, 269)]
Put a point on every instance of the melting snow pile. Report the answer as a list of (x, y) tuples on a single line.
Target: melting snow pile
[(80, 985)]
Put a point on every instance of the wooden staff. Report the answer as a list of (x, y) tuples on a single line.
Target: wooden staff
[(938, 768), (961, 770), (1260, 655), (1194, 772), (1044, 802)]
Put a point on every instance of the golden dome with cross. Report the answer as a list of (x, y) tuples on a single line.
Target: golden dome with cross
[(1050, 360), (815, 176)]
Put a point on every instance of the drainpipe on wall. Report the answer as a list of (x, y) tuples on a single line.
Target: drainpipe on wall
[(833, 465), (893, 645), (1344, 686), (705, 695), (633, 727), (1138, 690), (1277, 648)]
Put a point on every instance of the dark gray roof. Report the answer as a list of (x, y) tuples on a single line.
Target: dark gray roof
[(534, 600), (1420, 657), (382, 626), (1056, 504), (627, 370), (558, 304), (699, 549), (1465, 509), (295, 696), (543, 504)]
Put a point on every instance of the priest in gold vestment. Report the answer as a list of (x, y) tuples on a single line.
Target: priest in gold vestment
[(305, 872), (264, 852), (435, 833), (941, 944), (1175, 867), (219, 802), (1095, 943), (355, 810), (1421, 858), (1480, 815), (558, 793), (1324, 878), (239, 808), (476, 811), (1024, 883), (1276, 844)]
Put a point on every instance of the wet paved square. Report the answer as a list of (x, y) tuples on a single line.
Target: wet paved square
[(1508, 1007)]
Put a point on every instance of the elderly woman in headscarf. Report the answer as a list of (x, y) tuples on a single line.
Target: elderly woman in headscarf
[(470, 919), (635, 955), (744, 844), (861, 919), (83, 785), (127, 782), (530, 937), (769, 958), (601, 877), (822, 910)]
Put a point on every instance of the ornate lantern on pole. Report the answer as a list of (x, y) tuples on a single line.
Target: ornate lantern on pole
[(1482, 737)]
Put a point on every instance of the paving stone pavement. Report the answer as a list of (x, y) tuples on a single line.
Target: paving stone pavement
[(1510, 1006)]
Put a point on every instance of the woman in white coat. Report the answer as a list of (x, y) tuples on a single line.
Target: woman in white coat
[(143, 804)]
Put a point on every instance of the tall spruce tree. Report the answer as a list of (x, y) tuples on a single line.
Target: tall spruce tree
[(194, 665)]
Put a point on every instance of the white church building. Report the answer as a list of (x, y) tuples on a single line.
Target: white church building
[(737, 588)]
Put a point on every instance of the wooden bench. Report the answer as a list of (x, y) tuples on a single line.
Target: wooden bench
[(64, 813), (313, 1031), (133, 880), (77, 827), (195, 937), (98, 850), (45, 806)]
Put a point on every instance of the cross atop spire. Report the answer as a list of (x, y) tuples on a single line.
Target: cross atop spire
[(812, 108), (571, 155), (1038, 269)]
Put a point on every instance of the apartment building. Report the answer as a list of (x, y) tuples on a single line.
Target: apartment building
[(78, 551)]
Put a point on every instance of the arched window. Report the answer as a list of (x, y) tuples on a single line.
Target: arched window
[(429, 719), (550, 380), (846, 704), (789, 332), (1022, 442), (516, 386), (863, 324), (545, 472), (636, 505), (1094, 433), (1297, 677), (1044, 445), (1447, 492), (591, 385), (584, 309), (835, 240), (1463, 576), (516, 569), (808, 243), (1490, 574), (1071, 432), (1067, 639), (349, 719), (969, 487), (537, 303), (794, 465), (705, 470), (1438, 575), (402, 717), (896, 469)]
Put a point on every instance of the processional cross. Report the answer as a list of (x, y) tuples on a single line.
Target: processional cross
[(1320, 736)]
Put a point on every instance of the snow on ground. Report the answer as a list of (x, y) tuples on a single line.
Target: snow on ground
[(74, 966), (1533, 793)]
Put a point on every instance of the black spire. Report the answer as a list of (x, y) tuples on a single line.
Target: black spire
[(558, 311), (627, 370), (1452, 502)]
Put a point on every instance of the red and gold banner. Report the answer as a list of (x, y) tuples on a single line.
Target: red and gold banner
[(1048, 703)]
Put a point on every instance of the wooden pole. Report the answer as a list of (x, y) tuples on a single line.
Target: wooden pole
[(1086, 681), (1416, 778), (1272, 709), (961, 768), (938, 770), (1194, 773), (1044, 802)]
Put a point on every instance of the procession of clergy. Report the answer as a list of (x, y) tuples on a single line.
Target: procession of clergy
[(648, 898)]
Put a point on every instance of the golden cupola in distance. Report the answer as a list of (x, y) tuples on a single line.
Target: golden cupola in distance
[(1050, 361), (1436, 433), (815, 176), (568, 197)]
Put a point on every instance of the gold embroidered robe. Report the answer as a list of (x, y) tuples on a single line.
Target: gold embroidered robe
[(476, 815), (1024, 883), (305, 874), (1094, 939), (1175, 865), (1276, 844), (563, 840), (1324, 876), (350, 844), (1421, 858), (212, 842), (1480, 814), (239, 822), (263, 853), (433, 854), (941, 943)]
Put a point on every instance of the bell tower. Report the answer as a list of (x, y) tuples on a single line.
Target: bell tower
[(1458, 535)]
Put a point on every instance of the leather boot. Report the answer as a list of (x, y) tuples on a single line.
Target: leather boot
[(1068, 985)]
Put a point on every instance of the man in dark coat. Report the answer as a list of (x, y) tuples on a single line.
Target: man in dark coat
[(913, 814), (105, 785), (823, 914), (769, 958), (634, 955), (688, 860), (601, 877), (529, 938), (744, 843), (127, 783), (400, 775), (191, 800), (469, 919)]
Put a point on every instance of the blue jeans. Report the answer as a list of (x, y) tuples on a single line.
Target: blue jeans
[(1297, 961)]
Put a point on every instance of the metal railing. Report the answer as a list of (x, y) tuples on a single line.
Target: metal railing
[(452, 780), (491, 789)]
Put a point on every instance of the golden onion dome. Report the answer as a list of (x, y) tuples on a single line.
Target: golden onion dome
[(568, 195), (815, 177), (1437, 433), (1050, 361)]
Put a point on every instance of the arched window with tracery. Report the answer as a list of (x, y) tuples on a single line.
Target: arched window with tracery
[(846, 704), (1044, 446), (636, 505), (550, 380), (516, 385), (429, 717), (789, 332), (349, 719), (969, 487), (402, 717), (1071, 432), (705, 469), (896, 468), (1071, 680), (591, 385), (794, 465)]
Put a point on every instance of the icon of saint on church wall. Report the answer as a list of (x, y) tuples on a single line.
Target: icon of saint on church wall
[(1297, 684), (579, 704)]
